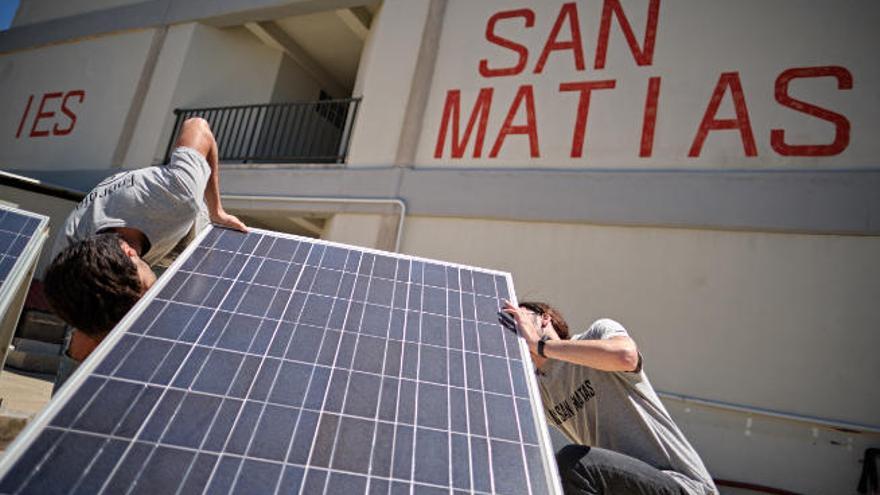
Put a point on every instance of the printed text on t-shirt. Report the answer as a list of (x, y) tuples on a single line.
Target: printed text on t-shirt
[(565, 410)]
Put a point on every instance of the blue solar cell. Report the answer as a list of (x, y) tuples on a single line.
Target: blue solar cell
[(432, 365), (100, 469), (327, 282), (403, 455), (221, 427), (476, 413), (406, 398), (380, 292), (217, 372), (245, 377), (67, 460), (290, 384), (457, 410), (334, 258), (273, 433), (303, 438), (358, 435), (460, 466), (314, 482), (161, 416), (503, 413), (434, 275), (480, 467), (191, 420), (496, 377), (263, 383), (432, 406), (507, 463), (282, 249), (388, 401), (384, 267), (223, 476), (257, 476), (434, 300), (432, 457), (433, 330), (369, 354), (325, 437), (363, 395), (384, 443), (484, 284), (199, 472), (375, 320)]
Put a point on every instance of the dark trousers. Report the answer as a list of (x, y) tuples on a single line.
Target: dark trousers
[(590, 470)]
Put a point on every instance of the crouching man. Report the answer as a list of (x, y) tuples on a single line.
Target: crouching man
[(596, 393), (103, 254)]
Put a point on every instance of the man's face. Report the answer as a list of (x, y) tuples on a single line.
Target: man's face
[(146, 274)]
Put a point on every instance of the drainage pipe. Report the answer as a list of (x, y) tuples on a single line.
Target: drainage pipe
[(399, 203), (828, 423)]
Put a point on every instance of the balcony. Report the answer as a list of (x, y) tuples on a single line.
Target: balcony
[(298, 132)]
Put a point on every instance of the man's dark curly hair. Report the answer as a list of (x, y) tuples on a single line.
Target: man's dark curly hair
[(92, 284)]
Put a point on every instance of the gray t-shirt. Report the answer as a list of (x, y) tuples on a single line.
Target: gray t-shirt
[(619, 411), (163, 202)]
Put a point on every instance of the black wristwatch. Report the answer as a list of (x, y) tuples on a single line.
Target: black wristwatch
[(541, 343)]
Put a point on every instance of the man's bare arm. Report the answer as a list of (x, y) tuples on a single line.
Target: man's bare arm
[(196, 134), (614, 354)]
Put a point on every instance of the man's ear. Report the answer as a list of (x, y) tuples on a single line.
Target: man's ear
[(127, 249), (545, 320)]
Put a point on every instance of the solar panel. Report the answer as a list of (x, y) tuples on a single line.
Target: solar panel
[(17, 227), (22, 235), (269, 363)]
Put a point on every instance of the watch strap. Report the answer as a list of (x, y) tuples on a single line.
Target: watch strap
[(541, 343)]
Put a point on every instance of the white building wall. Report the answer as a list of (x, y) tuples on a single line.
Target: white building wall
[(63, 106), (384, 81)]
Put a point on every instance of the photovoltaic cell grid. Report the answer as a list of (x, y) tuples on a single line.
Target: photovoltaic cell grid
[(16, 230), (273, 364)]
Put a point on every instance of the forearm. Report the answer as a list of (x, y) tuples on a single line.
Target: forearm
[(614, 354), (212, 191)]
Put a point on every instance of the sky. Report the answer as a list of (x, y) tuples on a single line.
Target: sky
[(7, 12)]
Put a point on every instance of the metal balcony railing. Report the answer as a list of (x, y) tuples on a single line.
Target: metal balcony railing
[(300, 132)]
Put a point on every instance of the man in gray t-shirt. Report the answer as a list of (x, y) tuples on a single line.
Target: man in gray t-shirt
[(103, 254), (595, 391)]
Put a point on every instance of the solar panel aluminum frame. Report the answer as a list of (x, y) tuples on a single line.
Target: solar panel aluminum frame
[(14, 289), (35, 427)]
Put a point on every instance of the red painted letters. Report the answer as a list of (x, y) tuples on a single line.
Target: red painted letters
[(525, 94), (46, 114), (841, 124), (585, 88), (741, 122), (521, 51), (41, 114), (452, 116), (79, 94), (643, 56), (27, 110), (650, 119), (575, 44)]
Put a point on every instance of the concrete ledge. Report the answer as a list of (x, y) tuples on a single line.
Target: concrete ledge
[(815, 202)]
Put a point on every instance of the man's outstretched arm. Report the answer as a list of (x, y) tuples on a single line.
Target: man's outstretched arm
[(614, 354), (196, 134)]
